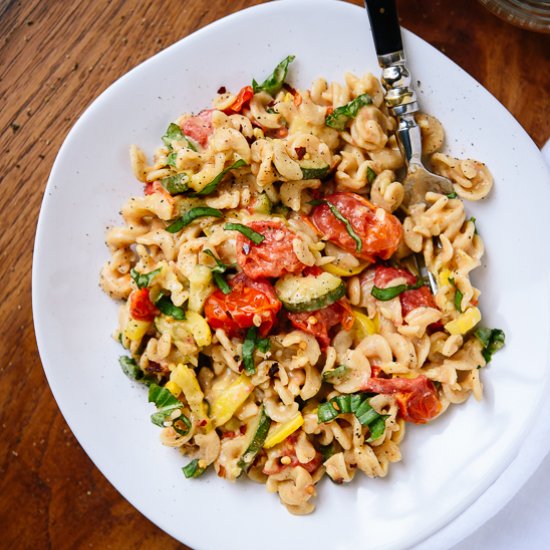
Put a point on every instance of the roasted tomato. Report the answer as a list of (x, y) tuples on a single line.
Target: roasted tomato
[(417, 397), (384, 275), (156, 187), (288, 449), (199, 127), (379, 231), (141, 307), (273, 257), (242, 99), (320, 322), (235, 312)]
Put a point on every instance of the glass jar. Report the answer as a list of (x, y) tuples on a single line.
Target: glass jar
[(529, 14)]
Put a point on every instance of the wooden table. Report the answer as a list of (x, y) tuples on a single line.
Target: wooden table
[(56, 57)]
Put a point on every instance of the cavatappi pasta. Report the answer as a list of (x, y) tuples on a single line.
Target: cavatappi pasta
[(268, 288)]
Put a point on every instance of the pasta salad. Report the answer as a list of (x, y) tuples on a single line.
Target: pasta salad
[(270, 298)]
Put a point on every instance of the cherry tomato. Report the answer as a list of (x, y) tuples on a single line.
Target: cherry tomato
[(288, 448), (379, 231), (273, 257), (234, 312), (319, 322), (242, 99), (141, 307), (420, 297), (199, 127), (384, 275), (417, 397)]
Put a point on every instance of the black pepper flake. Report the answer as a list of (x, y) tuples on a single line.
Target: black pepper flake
[(15, 126), (222, 90), (273, 370)]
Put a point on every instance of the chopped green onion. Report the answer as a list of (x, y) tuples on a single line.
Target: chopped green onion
[(171, 159), (165, 305), (385, 294), (193, 469), (359, 405), (338, 215), (143, 280), (166, 404), (176, 184), (371, 175), (338, 118), (452, 196), (274, 82), (191, 216), (254, 236), (210, 187), (491, 339), (335, 373), (251, 342)]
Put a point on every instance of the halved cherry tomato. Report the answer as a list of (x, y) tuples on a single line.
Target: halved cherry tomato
[(420, 297), (141, 307), (242, 99), (273, 257), (319, 322), (157, 187), (384, 275), (417, 397), (379, 231), (199, 127), (235, 312)]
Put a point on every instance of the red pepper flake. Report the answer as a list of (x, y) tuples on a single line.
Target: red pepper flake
[(300, 152), (222, 90), (202, 422)]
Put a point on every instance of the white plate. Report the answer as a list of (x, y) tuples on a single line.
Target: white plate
[(447, 464)]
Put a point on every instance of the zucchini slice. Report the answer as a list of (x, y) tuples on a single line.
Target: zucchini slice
[(314, 169), (309, 293), (262, 204), (257, 429)]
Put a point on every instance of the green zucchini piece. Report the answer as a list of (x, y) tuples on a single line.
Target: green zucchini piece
[(262, 204), (314, 169), (258, 432), (309, 293)]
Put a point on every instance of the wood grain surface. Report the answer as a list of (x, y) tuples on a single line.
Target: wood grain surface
[(56, 56)]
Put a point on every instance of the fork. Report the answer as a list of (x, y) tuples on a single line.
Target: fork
[(402, 102)]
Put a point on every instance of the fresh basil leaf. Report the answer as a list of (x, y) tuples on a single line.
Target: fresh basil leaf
[(176, 184), (217, 272), (191, 216), (327, 451), (143, 280), (326, 412), (371, 175), (338, 118), (491, 339), (165, 305), (251, 342), (335, 373), (193, 469), (385, 294), (210, 187), (171, 159), (274, 82), (166, 404), (173, 133), (377, 428), (338, 215), (263, 344), (254, 236), (221, 283), (220, 266), (132, 370), (458, 296), (452, 196)]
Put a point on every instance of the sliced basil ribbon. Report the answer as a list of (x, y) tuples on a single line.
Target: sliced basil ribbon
[(193, 469), (452, 195), (458, 296), (165, 305), (385, 294), (371, 175), (166, 405), (274, 82), (357, 404), (251, 342), (132, 370), (191, 216), (217, 272), (338, 215), (249, 233), (491, 339), (338, 118), (171, 159), (174, 133), (211, 187), (143, 280), (335, 373)]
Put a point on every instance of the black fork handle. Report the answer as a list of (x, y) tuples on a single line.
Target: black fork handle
[(385, 26)]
